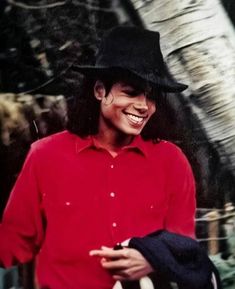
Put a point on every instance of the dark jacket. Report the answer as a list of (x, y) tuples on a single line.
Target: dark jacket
[(178, 259)]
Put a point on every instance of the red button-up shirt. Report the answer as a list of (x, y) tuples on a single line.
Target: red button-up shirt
[(72, 196)]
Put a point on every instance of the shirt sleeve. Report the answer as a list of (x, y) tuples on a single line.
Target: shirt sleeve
[(21, 230), (180, 217)]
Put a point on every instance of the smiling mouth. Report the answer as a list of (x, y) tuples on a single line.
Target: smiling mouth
[(135, 118)]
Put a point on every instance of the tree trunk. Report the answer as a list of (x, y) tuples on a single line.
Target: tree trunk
[(198, 43)]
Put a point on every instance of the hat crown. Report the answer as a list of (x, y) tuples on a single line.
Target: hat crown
[(131, 48), (136, 51)]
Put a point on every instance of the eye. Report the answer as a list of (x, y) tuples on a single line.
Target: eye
[(132, 92)]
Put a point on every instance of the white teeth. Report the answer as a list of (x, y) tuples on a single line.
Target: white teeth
[(135, 118)]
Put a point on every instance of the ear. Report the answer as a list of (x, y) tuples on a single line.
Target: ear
[(99, 90)]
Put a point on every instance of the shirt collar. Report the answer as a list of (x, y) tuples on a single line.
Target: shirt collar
[(82, 143), (137, 144)]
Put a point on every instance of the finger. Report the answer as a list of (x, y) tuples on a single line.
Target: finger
[(122, 275), (119, 264), (109, 253), (97, 252), (106, 248), (119, 277)]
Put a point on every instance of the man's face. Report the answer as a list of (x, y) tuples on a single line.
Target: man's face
[(124, 110)]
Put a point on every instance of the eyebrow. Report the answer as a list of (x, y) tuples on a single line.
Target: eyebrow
[(135, 89), (132, 90)]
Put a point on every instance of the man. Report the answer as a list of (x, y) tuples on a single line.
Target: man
[(105, 180)]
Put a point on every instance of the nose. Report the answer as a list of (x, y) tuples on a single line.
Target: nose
[(141, 103)]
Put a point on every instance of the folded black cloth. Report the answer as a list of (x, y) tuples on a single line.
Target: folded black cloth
[(179, 259)]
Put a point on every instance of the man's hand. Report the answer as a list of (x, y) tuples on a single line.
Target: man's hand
[(123, 264)]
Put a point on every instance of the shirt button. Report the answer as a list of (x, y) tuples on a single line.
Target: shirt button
[(114, 225), (67, 203), (112, 194), (112, 166)]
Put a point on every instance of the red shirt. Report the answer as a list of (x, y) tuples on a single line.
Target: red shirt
[(72, 196)]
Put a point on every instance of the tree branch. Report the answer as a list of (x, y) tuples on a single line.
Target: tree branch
[(32, 7), (25, 6)]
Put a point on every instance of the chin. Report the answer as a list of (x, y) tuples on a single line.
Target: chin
[(130, 130), (133, 132)]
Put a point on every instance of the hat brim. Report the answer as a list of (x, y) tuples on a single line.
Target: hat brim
[(166, 85)]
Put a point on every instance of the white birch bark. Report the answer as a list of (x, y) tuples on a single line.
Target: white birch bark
[(198, 43)]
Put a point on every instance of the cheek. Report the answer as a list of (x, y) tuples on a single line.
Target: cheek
[(108, 110), (152, 108), (105, 112)]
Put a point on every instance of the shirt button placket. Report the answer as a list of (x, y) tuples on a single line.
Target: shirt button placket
[(113, 224), (112, 196)]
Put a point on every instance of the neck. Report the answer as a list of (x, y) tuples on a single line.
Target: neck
[(113, 142)]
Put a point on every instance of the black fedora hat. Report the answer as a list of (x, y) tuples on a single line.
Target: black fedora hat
[(136, 51)]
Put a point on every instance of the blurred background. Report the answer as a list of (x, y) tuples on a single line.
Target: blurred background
[(40, 40)]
